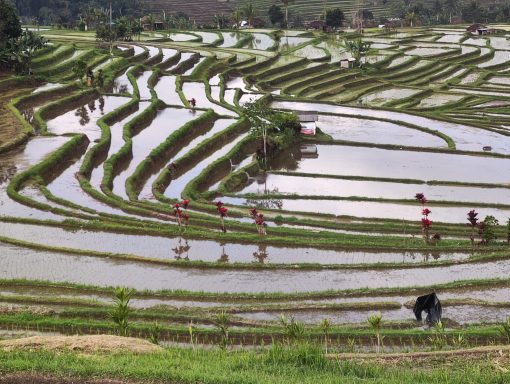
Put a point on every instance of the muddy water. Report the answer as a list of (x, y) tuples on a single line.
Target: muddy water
[(211, 251), (399, 164), (122, 84), (460, 314), (16, 262), (371, 209), (218, 126), (167, 90), (19, 160), (197, 91), (84, 118), (466, 137), (373, 131), (167, 121), (176, 186), (288, 184), (230, 39), (116, 142), (143, 85), (260, 41)]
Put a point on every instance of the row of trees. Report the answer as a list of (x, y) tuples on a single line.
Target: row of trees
[(67, 12), (17, 47), (449, 11)]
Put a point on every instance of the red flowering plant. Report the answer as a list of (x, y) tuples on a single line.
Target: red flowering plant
[(222, 211), (260, 221), (181, 216), (426, 223), (473, 222)]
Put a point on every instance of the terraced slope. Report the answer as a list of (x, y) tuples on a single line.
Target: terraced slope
[(89, 202)]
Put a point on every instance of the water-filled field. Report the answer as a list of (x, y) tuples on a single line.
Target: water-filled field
[(88, 191)]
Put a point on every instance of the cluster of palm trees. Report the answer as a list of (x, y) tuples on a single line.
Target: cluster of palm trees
[(247, 13)]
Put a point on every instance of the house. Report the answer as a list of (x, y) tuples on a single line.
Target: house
[(480, 30), (152, 25), (347, 63), (318, 25), (308, 122)]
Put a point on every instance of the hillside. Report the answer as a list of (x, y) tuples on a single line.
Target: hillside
[(203, 10)]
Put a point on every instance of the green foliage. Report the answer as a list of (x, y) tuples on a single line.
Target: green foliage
[(275, 14), (439, 338), (80, 69), (504, 329), (487, 229), (121, 312), (154, 333), (358, 48), (19, 52), (221, 321), (375, 321), (299, 355), (10, 27), (294, 330), (325, 327), (334, 18)]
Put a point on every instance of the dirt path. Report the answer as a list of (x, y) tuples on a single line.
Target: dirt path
[(28, 378)]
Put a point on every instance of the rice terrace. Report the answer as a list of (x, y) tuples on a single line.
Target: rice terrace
[(211, 192)]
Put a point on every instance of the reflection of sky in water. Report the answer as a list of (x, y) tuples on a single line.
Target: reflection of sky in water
[(465, 137), (84, 118), (344, 188), (375, 131), (375, 162), (16, 262), (374, 209)]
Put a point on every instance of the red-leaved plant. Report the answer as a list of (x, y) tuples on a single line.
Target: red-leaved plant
[(426, 223), (473, 222), (181, 216), (222, 211), (260, 222)]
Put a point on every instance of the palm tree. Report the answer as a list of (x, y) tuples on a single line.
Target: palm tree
[(375, 321), (236, 17), (411, 18), (357, 48), (249, 13), (451, 7), (286, 5), (437, 9)]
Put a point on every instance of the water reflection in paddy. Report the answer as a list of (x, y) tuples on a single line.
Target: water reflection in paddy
[(20, 263), (466, 137), (167, 121), (203, 250), (375, 131), (398, 164), (84, 118), (288, 184)]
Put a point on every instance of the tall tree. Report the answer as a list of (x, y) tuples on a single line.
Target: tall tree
[(249, 13), (451, 7), (437, 9), (10, 26), (334, 18), (286, 5), (237, 17), (275, 14)]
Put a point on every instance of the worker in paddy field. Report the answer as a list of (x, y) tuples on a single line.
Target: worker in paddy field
[(90, 78), (100, 78), (193, 103)]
